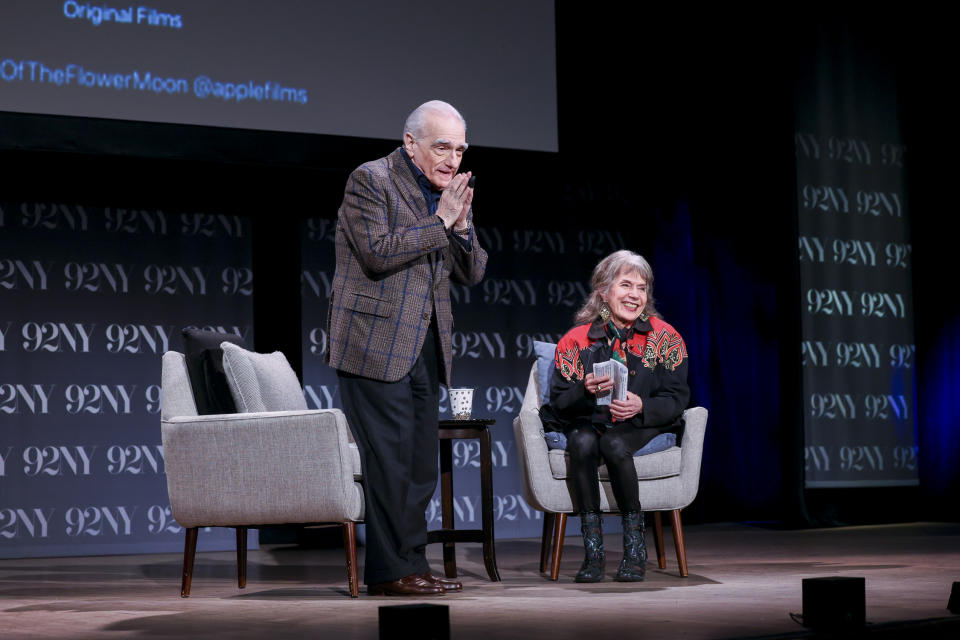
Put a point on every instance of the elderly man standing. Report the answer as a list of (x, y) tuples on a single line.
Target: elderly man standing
[(404, 230)]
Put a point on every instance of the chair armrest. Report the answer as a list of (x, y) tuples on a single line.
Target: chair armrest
[(691, 453), (260, 468), (540, 489), (241, 417)]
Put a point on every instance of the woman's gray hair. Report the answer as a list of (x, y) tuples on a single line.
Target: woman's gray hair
[(604, 275), (416, 123)]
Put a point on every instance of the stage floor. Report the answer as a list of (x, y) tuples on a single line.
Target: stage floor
[(744, 581)]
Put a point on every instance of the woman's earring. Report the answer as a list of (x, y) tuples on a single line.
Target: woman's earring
[(644, 316), (604, 311)]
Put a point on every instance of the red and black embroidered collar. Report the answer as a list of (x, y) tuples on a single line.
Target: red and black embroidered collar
[(596, 330)]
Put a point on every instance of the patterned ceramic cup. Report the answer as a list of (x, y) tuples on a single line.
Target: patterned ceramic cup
[(461, 403)]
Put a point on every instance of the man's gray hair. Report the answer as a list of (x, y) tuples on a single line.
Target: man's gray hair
[(604, 275), (416, 123)]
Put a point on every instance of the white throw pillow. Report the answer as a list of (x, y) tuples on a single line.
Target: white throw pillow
[(261, 381)]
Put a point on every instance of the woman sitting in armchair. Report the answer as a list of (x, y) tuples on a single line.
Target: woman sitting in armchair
[(618, 322)]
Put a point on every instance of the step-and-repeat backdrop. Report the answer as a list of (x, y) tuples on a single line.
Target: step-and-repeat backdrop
[(90, 298), (856, 283)]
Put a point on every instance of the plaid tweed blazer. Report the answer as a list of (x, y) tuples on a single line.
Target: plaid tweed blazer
[(395, 261)]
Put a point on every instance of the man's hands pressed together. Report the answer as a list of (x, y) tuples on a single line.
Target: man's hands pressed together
[(455, 202)]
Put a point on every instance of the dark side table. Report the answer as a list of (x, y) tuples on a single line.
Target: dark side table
[(451, 430)]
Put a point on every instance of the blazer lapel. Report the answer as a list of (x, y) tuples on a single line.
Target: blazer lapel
[(406, 184), (409, 190)]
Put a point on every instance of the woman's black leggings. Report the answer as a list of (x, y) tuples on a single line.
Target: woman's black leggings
[(615, 446)]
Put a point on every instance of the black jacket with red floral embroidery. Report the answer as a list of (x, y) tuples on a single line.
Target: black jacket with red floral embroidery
[(657, 364)]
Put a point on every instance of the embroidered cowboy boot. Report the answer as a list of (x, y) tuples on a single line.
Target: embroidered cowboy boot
[(633, 567), (591, 525)]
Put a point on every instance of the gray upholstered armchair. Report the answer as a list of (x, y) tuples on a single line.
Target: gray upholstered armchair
[(247, 469), (668, 480)]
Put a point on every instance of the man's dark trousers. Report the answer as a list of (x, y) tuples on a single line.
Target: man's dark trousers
[(395, 426)]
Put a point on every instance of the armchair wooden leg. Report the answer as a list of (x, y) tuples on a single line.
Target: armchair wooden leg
[(658, 538), (241, 557), (559, 529), (189, 550), (678, 542), (545, 540), (350, 548)]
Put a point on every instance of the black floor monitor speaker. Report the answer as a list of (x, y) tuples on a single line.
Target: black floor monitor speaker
[(954, 603), (423, 621), (832, 603)]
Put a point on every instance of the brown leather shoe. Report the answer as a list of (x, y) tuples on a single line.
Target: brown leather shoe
[(448, 584), (412, 585)]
